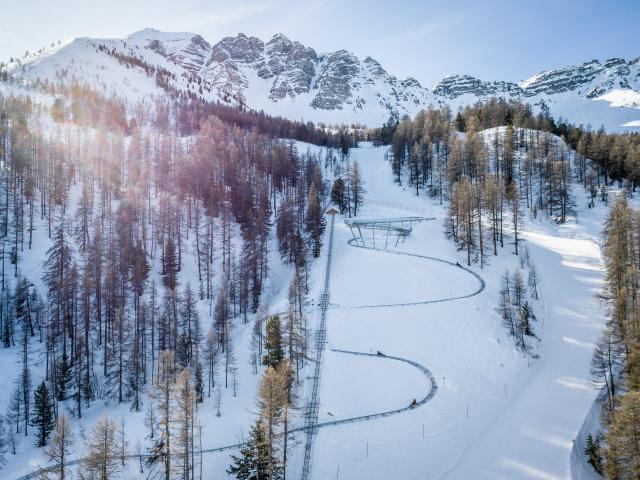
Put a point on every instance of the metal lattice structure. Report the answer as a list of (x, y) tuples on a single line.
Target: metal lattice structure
[(396, 228), (313, 402)]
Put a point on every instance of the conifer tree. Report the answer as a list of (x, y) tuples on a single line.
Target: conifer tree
[(63, 376), (42, 414), (592, 450), (274, 352), (102, 460), (622, 457), (526, 317), (315, 223), (186, 424), (60, 446), (183, 355), (162, 395), (272, 400), (356, 187), (338, 194), (198, 385), (253, 462)]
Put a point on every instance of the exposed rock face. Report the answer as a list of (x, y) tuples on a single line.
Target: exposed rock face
[(564, 79), (240, 49), (457, 85), (292, 66), (591, 79), (332, 81), (336, 81)]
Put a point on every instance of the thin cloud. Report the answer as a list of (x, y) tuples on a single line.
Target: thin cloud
[(422, 31)]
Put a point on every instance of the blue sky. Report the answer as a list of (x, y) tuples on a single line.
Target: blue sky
[(491, 39)]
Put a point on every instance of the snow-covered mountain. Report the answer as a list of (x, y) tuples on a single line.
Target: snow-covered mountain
[(287, 78)]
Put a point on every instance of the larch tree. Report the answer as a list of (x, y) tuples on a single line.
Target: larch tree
[(60, 446), (186, 423), (357, 187), (272, 400), (103, 458)]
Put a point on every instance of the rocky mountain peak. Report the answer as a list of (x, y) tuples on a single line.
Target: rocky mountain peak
[(240, 48), (454, 86), (283, 76)]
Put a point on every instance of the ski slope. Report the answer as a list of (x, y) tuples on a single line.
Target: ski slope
[(497, 413)]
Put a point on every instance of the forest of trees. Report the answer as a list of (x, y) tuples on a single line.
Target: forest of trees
[(615, 367), (125, 203), (488, 177), (614, 155)]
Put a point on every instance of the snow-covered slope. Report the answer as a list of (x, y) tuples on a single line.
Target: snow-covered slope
[(287, 78), (497, 414)]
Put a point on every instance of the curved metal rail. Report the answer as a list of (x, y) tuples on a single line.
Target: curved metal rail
[(481, 282)]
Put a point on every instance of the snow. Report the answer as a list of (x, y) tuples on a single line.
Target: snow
[(622, 98), (530, 80), (421, 279)]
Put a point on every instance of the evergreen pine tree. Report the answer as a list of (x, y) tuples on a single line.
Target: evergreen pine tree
[(42, 414), (526, 316), (252, 464), (183, 354), (199, 383), (592, 451), (63, 377), (273, 344), (170, 265), (338, 194), (315, 223)]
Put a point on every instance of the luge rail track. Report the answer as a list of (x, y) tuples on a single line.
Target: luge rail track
[(432, 389), (481, 282), (311, 424), (313, 403)]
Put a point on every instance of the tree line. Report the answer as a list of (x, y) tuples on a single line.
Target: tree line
[(615, 369), (489, 177)]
